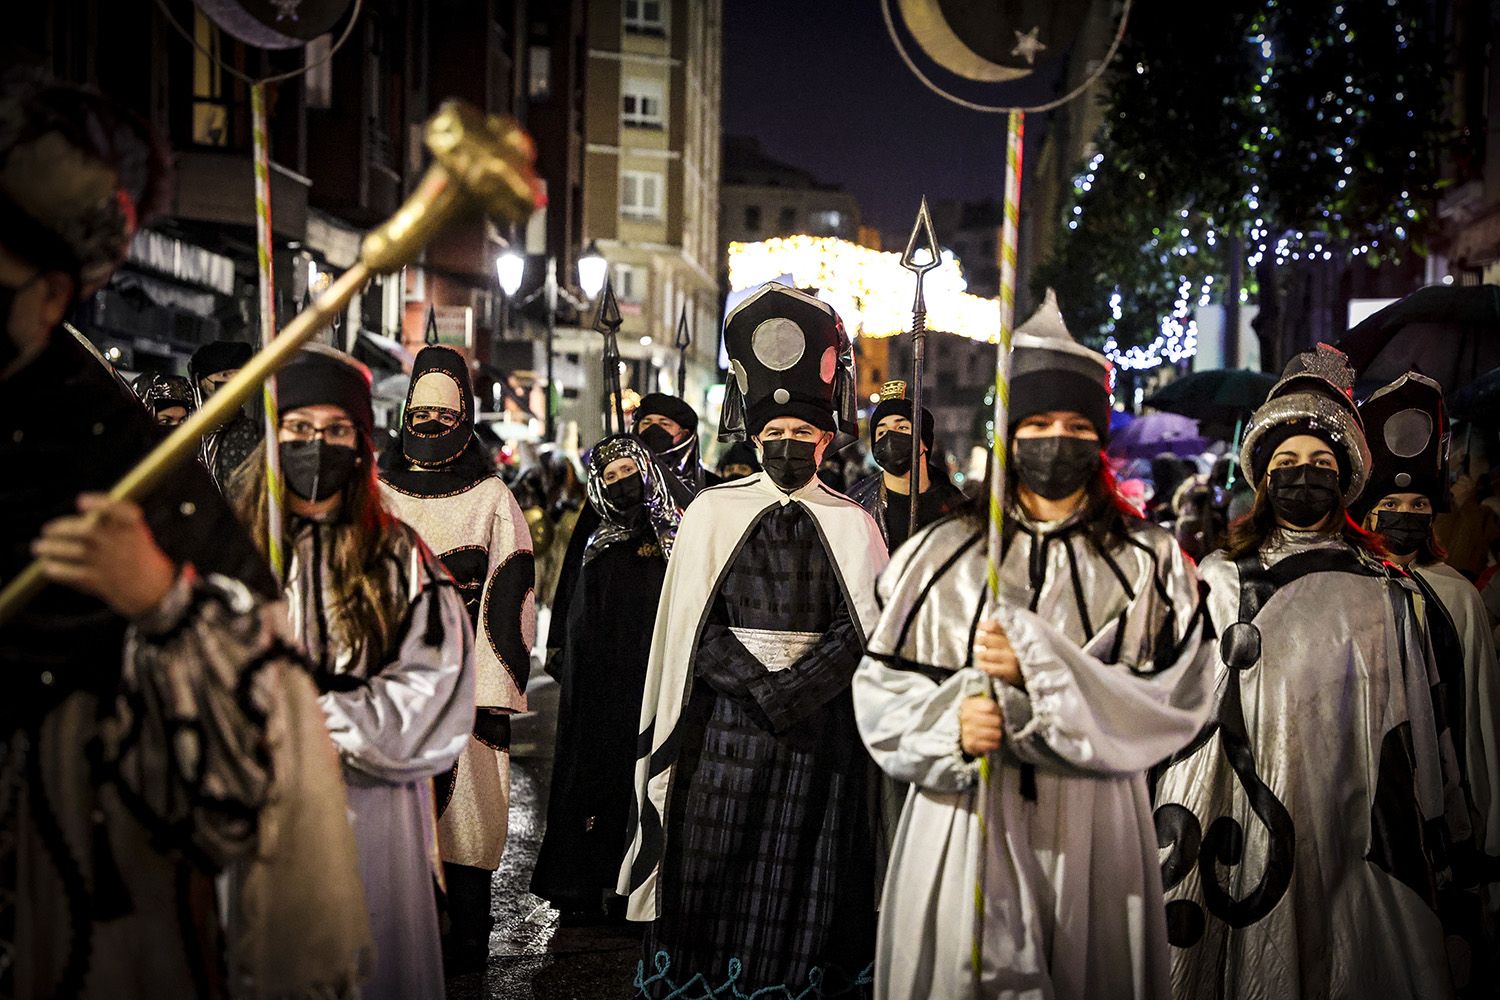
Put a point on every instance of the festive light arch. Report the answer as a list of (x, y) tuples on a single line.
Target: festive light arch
[(869, 288)]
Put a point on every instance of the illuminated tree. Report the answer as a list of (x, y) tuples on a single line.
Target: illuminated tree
[(1302, 136)]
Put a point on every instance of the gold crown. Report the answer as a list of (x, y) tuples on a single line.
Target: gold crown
[(894, 389)]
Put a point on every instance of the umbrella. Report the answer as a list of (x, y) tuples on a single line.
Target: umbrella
[(1479, 401), (1449, 333), (1218, 399), (1149, 436)]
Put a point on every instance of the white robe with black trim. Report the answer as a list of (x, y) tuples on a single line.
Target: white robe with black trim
[(712, 532), (1059, 842)]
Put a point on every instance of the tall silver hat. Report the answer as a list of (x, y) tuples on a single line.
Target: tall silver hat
[(1315, 395)]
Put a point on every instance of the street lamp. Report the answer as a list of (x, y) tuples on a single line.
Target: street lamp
[(511, 267), (592, 268)]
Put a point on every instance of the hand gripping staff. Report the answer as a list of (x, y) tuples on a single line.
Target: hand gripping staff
[(480, 164)]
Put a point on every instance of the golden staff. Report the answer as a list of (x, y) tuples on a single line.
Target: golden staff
[(480, 164)]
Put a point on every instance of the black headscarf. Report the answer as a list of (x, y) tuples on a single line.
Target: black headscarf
[(660, 506), (444, 460)]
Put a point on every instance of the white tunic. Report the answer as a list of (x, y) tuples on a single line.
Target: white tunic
[(1068, 876), (484, 521)]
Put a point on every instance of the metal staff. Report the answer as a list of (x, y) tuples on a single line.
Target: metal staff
[(260, 133), (684, 338), (922, 230), (1009, 230), (607, 322), (480, 164)]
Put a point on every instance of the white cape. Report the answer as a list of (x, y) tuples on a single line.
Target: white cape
[(712, 532)]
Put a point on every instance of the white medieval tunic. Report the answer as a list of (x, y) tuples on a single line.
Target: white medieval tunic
[(753, 839), (1299, 829), (1113, 647), (481, 537), (397, 720)]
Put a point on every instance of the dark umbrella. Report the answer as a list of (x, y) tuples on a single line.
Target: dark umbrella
[(1149, 436), (1479, 401), (1449, 333), (1218, 399)]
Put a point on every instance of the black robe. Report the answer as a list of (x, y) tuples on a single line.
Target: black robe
[(770, 857), (606, 647)]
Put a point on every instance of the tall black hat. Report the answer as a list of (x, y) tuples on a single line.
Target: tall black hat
[(1049, 370), (790, 357), (895, 399), (1407, 431), (1314, 396), (439, 378)]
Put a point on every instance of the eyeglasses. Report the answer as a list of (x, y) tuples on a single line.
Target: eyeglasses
[(343, 433)]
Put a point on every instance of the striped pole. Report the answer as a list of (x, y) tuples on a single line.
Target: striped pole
[(263, 256), (1009, 234)]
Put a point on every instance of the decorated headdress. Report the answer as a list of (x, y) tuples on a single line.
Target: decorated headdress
[(1406, 429), (660, 506), (160, 391), (1315, 396), (790, 357), (440, 379), (895, 399), (1049, 370)]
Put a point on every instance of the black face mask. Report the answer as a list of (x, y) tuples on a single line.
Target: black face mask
[(893, 452), (789, 463), (627, 493), (658, 439), (1403, 531), (316, 471), (430, 428), (1057, 466), (1303, 495)]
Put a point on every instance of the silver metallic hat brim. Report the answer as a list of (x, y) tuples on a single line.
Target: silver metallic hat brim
[(1318, 413)]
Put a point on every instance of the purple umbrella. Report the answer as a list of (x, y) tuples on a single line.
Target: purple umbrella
[(1149, 436)]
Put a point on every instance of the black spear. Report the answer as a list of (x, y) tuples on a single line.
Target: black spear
[(922, 230), (607, 322), (684, 338)]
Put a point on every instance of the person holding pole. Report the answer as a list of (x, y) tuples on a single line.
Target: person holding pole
[(1089, 666)]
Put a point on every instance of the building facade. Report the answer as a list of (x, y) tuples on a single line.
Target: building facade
[(763, 197), (653, 87)]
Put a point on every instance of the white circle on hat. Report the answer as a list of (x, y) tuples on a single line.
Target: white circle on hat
[(1407, 433), (778, 343), (740, 378), (781, 396)]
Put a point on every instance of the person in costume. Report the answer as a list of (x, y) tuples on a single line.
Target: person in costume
[(1407, 431), (669, 428), (738, 461), (160, 622), (1304, 829), (601, 672), (169, 398), (886, 494), (226, 448), (441, 482), (390, 644), (1091, 666), (754, 843)]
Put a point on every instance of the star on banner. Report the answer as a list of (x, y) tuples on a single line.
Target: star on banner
[(1028, 45)]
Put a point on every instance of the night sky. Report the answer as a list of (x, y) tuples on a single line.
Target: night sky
[(820, 84)]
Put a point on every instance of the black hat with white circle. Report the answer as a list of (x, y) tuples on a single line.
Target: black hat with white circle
[(789, 357), (1407, 431)]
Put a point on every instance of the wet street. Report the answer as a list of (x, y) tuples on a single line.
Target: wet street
[(531, 956)]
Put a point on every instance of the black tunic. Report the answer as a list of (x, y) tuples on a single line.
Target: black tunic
[(892, 510), (770, 845), (601, 673)]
